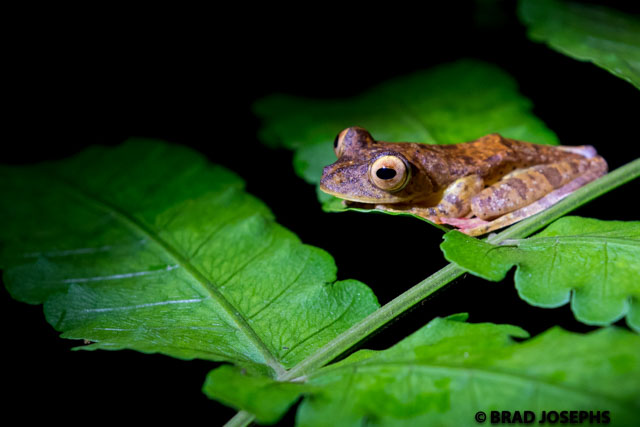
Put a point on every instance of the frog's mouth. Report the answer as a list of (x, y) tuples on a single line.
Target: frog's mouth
[(358, 192), (350, 198)]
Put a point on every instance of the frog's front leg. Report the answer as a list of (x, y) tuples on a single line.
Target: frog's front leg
[(455, 201)]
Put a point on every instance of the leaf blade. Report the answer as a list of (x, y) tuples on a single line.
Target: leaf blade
[(268, 400), (596, 34), (171, 256), (448, 370), (588, 262)]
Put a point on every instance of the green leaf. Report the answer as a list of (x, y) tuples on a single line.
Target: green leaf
[(149, 247), (448, 104), (267, 399), (448, 370), (593, 263), (607, 38)]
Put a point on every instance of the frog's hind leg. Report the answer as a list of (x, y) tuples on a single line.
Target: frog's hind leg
[(523, 187), (593, 169)]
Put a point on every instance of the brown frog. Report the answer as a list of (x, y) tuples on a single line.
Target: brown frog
[(477, 186)]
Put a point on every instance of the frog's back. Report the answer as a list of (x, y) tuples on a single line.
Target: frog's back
[(489, 157)]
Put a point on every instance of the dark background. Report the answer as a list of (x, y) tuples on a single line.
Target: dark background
[(192, 81)]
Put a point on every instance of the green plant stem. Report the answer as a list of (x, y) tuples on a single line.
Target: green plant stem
[(428, 286), (378, 318)]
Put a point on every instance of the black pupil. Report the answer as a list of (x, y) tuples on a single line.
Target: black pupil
[(335, 141), (386, 173)]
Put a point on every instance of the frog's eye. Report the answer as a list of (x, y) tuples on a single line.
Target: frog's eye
[(389, 173), (338, 143)]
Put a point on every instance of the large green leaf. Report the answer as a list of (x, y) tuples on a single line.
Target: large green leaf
[(149, 247), (593, 263), (451, 103), (607, 38), (448, 370)]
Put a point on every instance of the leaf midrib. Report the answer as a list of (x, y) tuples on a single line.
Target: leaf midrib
[(141, 228), (459, 370), (576, 240)]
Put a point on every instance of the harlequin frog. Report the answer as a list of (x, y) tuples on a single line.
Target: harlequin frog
[(477, 186)]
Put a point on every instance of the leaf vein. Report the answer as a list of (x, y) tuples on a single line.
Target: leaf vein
[(319, 330), (283, 291), (139, 227), (118, 276), (475, 371), (247, 263), (145, 305)]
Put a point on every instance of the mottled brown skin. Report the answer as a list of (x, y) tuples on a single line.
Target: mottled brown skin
[(477, 186)]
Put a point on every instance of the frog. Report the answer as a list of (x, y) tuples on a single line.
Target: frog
[(476, 187)]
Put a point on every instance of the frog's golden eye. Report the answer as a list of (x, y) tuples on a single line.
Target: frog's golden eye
[(338, 143), (389, 173)]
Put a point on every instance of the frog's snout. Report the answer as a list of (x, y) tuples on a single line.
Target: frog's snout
[(343, 179), (332, 179), (349, 179)]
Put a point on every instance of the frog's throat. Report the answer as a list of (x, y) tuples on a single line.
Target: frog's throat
[(360, 199)]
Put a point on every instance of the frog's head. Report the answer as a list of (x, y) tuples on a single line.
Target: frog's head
[(368, 171)]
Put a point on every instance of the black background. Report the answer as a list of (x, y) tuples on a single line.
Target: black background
[(191, 79)]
